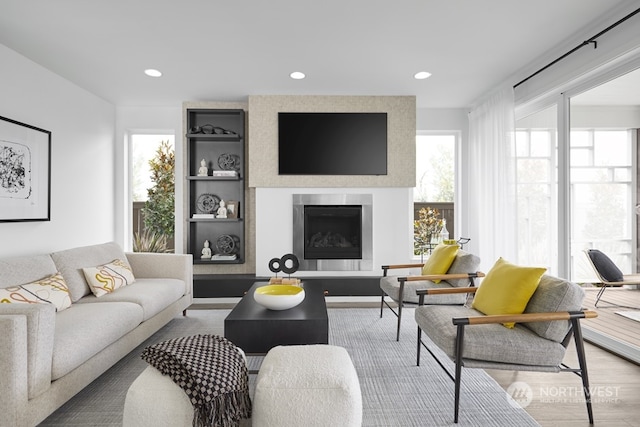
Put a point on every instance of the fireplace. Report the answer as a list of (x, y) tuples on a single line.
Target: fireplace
[(333, 231)]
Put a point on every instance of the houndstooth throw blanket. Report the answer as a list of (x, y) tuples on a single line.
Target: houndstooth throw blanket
[(211, 371)]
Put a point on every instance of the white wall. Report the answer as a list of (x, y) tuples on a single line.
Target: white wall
[(82, 173)]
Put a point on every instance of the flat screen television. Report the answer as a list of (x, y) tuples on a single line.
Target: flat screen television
[(332, 143)]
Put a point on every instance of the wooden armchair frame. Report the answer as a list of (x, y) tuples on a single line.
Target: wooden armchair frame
[(403, 279), (462, 322)]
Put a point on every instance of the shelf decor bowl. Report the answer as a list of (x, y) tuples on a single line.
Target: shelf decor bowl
[(279, 297)]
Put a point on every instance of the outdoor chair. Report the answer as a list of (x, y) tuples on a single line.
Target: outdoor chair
[(450, 267), (609, 274), (535, 340)]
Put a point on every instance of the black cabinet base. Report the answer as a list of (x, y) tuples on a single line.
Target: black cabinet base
[(236, 285)]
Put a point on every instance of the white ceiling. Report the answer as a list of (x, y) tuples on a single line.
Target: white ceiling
[(227, 50)]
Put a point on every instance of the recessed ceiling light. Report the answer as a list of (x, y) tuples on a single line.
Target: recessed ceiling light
[(422, 75), (297, 75), (152, 72)]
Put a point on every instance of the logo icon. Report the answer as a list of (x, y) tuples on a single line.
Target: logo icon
[(519, 394)]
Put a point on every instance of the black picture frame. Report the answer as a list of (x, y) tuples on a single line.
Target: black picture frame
[(25, 172)]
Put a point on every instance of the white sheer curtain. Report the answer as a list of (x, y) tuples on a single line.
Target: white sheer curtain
[(491, 180)]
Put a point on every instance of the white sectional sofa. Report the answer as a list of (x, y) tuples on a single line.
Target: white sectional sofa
[(50, 352)]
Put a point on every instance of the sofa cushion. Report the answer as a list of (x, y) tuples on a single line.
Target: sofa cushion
[(391, 286), (153, 295), (105, 279), (70, 263), (491, 342), (506, 289), (83, 330), (554, 294), (464, 263), (19, 270), (49, 290)]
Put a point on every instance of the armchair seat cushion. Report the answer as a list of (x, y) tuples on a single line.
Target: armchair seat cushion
[(390, 285), (492, 342)]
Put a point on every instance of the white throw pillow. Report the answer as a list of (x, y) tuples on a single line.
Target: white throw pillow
[(50, 290), (106, 278)]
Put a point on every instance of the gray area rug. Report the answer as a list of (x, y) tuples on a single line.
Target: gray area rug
[(395, 391)]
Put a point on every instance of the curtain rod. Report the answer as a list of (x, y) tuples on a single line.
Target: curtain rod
[(592, 40)]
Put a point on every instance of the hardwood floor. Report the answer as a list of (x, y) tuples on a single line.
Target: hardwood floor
[(615, 382)]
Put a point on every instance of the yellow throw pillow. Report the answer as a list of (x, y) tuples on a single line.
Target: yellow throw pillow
[(105, 279), (440, 260), (506, 289), (50, 290)]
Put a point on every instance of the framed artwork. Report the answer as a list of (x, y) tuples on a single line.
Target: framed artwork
[(232, 208), (25, 172)]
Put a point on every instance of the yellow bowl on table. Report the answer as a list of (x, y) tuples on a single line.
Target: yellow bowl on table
[(279, 297)]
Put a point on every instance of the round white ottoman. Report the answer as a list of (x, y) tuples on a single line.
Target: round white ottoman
[(307, 385), (154, 400)]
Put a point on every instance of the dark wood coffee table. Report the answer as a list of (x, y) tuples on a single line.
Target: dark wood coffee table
[(256, 329)]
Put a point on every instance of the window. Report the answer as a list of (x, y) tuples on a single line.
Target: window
[(435, 177), (536, 162), (601, 176), (143, 149), (435, 168)]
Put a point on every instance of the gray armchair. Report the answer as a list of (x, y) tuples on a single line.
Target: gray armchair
[(538, 342), (402, 289)]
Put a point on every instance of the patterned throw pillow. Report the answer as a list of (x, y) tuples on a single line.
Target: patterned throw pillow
[(50, 290), (105, 279)]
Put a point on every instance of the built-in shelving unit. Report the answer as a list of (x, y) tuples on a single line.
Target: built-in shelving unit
[(217, 137)]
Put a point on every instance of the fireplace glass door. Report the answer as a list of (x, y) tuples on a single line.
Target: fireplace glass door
[(332, 232)]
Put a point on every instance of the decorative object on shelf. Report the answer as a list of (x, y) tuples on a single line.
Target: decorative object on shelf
[(226, 244), (203, 170), (222, 210), (202, 216), (225, 174), (206, 251), (207, 203), (279, 297), (221, 257), (232, 209), (229, 162), (210, 130)]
